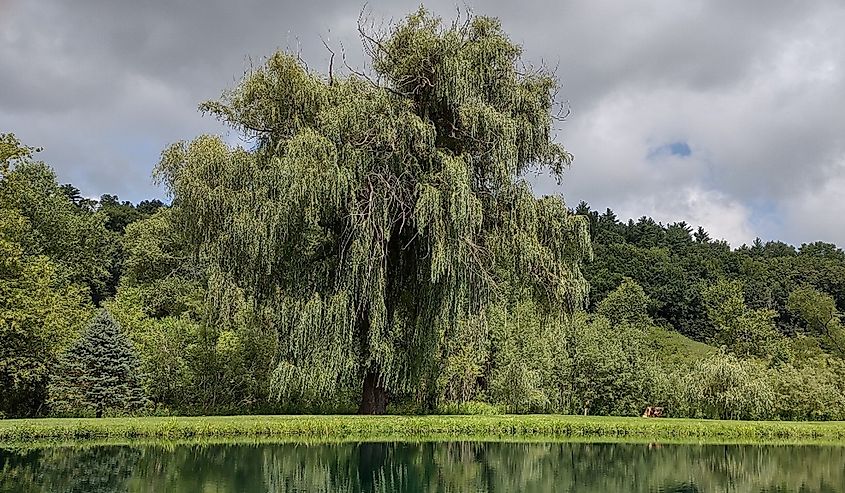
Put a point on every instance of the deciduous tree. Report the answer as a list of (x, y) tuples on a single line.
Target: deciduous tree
[(375, 210)]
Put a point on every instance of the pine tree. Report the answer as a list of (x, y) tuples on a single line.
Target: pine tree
[(99, 372)]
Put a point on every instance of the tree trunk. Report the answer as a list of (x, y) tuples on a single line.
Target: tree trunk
[(374, 395)]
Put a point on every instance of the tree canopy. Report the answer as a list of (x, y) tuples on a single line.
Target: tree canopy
[(374, 211)]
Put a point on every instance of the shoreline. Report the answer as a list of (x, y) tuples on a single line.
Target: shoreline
[(329, 428)]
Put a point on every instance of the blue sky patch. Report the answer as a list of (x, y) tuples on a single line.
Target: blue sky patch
[(680, 149)]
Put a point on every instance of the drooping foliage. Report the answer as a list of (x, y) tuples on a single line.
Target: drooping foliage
[(100, 372), (195, 361), (371, 215), (725, 387)]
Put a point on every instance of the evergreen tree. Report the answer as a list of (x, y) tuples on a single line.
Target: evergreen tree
[(119, 214), (701, 235), (99, 372)]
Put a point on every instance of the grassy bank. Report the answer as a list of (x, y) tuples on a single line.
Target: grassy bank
[(417, 427)]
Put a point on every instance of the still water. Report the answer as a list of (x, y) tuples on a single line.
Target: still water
[(427, 466)]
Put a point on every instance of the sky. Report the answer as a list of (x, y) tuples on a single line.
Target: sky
[(722, 113)]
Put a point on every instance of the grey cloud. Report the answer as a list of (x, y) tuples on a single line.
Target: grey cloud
[(753, 87)]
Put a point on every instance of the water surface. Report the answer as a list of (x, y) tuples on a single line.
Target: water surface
[(424, 467)]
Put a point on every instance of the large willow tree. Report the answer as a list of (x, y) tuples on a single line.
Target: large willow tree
[(376, 209)]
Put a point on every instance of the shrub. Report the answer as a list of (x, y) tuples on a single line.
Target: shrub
[(725, 387), (812, 391)]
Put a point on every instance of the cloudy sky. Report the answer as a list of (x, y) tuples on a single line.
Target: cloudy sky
[(724, 113)]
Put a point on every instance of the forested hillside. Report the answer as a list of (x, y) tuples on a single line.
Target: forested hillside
[(378, 249), (673, 262)]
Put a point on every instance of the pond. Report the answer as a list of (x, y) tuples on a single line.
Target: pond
[(423, 466)]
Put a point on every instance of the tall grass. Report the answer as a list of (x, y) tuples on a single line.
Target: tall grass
[(416, 427)]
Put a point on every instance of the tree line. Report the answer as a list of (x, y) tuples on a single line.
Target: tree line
[(674, 318), (377, 249)]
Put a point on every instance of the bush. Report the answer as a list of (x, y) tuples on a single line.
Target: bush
[(611, 370), (584, 365), (725, 387), (466, 355), (813, 391), (526, 350)]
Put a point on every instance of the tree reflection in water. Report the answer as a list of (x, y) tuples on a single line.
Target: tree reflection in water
[(426, 466)]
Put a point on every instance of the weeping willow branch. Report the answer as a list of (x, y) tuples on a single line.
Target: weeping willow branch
[(371, 215)]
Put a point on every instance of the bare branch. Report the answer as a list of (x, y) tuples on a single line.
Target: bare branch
[(366, 77), (331, 61), (299, 55), (563, 112)]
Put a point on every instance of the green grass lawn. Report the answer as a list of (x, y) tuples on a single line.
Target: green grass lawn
[(417, 428)]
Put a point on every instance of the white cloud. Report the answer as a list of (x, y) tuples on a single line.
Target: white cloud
[(817, 215), (723, 218)]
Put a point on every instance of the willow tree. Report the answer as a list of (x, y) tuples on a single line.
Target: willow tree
[(376, 209)]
